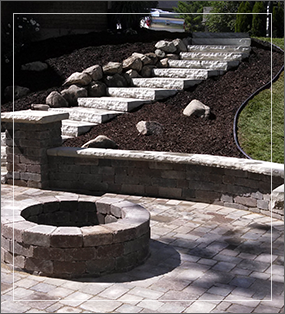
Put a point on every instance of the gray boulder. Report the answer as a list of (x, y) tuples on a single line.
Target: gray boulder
[(19, 92), (34, 66), (147, 70), (56, 100), (133, 73), (73, 93), (95, 72), (144, 58), (78, 78), (149, 127), (179, 45), (40, 107), (197, 108), (172, 56), (100, 141), (116, 80), (133, 63), (97, 89), (163, 63), (159, 53), (152, 56), (166, 46), (113, 68)]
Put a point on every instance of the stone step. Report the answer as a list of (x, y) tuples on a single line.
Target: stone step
[(195, 74), (141, 93), (219, 56), (71, 128), (197, 64), (162, 82), (245, 50), (88, 114), (111, 103), (222, 41)]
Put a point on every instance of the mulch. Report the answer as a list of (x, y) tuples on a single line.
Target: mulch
[(223, 94)]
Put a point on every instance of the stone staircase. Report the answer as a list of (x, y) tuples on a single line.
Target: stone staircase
[(208, 55)]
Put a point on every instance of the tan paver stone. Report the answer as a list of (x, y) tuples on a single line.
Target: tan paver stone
[(146, 293), (200, 307), (43, 287), (69, 309), (35, 311), (60, 292), (14, 307), (237, 308), (150, 304), (113, 292), (101, 306), (128, 308)]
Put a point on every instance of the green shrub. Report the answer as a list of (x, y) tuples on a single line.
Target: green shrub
[(278, 20), (243, 21), (258, 20)]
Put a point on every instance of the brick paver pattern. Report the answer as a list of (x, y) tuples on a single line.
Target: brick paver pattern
[(205, 258)]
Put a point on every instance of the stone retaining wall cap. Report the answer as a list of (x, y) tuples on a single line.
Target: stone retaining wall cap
[(33, 117)]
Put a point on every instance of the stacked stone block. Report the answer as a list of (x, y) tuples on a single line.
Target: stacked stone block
[(226, 181), (28, 136)]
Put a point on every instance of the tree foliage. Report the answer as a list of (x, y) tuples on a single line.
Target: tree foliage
[(222, 22), (130, 20), (243, 21), (258, 20), (193, 22), (278, 20)]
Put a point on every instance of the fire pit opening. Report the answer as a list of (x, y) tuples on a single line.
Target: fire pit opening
[(69, 213)]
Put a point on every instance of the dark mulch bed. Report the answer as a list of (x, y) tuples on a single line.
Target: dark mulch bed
[(223, 94)]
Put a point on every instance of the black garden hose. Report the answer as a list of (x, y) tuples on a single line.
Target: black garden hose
[(267, 85)]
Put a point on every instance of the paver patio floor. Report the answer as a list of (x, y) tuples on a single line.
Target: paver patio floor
[(205, 258)]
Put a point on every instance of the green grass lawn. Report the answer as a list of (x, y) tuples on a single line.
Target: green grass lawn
[(254, 123)]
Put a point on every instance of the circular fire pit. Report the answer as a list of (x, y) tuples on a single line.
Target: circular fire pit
[(77, 238)]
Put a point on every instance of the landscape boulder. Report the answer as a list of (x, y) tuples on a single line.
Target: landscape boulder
[(197, 108), (19, 92), (113, 68), (56, 100), (152, 56), (42, 107), (100, 141), (149, 127), (132, 62), (133, 73), (115, 80), (97, 89), (78, 78), (144, 58), (172, 56), (95, 72), (159, 53), (73, 93), (179, 45), (147, 70), (34, 66), (166, 46), (163, 63)]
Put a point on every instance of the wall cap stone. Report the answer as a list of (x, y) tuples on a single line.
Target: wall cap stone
[(33, 116), (254, 166)]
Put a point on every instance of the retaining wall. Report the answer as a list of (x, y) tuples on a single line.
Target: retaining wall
[(233, 182), (34, 161)]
